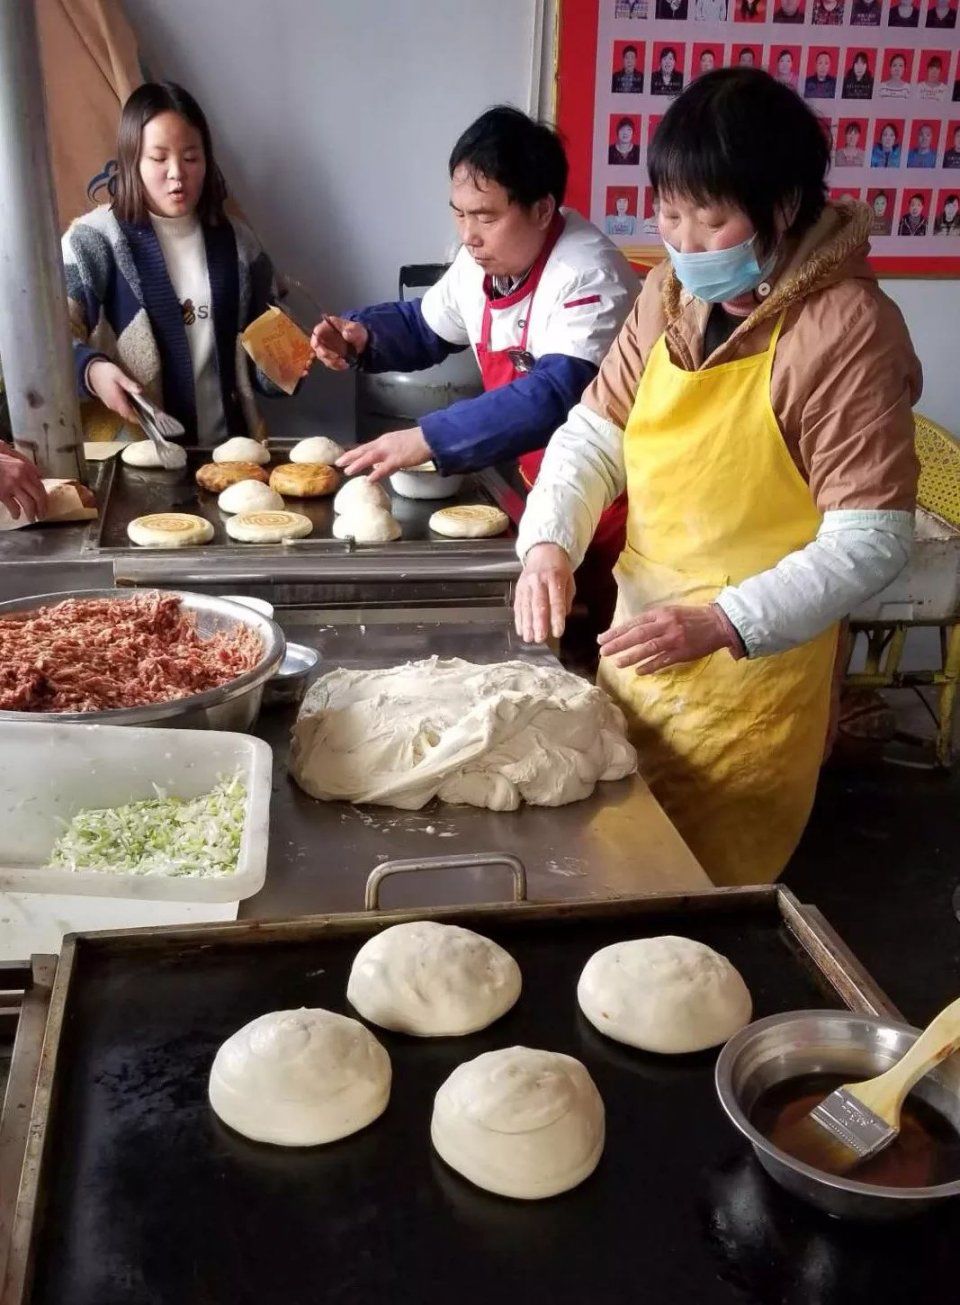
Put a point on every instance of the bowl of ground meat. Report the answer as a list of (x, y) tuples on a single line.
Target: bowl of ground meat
[(135, 657)]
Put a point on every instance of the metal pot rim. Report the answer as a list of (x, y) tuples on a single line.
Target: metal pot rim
[(738, 1117), (270, 633)]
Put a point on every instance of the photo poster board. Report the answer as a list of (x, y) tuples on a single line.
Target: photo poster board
[(893, 116)]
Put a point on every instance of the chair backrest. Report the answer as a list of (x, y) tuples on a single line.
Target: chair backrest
[(939, 454)]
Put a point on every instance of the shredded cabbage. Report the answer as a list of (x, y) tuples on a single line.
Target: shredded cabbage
[(159, 836)]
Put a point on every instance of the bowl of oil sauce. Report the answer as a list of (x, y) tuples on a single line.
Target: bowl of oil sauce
[(775, 1071)]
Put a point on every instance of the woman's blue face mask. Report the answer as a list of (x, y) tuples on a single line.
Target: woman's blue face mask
[(721, 275)]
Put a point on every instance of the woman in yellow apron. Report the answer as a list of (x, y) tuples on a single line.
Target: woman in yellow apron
[(756, 407)]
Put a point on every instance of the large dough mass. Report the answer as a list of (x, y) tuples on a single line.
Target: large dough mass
[(432, 980), (520, 1122), (485, 736), (666, 994), (300, 1078)]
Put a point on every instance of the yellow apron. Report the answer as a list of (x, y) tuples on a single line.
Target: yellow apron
[(731, 749)]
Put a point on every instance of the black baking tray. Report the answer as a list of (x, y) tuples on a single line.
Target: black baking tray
[(128, 492), (137, 1195)]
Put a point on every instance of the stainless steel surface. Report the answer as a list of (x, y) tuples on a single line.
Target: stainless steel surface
[(233, 706), (34, 329), (855, 1127), (617, 842), (289, 681), (468, 861), (782, 1047)]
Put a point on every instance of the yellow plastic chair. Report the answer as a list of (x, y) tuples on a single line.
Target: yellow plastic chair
[(938, 493)]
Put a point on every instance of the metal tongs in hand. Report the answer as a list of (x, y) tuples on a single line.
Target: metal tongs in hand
[(159, 426), (350, 357)]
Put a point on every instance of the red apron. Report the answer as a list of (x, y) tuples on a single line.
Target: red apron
[(595, 583)]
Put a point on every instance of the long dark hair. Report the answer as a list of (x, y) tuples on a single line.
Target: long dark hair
[(144, 104)]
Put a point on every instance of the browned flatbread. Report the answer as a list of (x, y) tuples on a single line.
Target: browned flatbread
[(216, 476), (305, 480)]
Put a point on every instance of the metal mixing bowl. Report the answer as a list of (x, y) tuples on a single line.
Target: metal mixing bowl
[(788, 1046), (232, 706)]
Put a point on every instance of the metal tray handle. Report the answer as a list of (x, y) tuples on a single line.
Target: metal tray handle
[(469, 861)]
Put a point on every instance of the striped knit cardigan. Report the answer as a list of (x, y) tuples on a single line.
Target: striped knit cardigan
[(123, 307)]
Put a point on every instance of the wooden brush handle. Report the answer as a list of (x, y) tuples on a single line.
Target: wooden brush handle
[(940, 1039)]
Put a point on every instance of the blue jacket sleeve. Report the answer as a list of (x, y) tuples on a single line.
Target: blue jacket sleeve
[(400, 339), (514, 419)]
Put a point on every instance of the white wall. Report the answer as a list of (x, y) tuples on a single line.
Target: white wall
[(333, 121)]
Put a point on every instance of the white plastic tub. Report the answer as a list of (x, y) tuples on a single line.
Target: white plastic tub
[(50, 772)]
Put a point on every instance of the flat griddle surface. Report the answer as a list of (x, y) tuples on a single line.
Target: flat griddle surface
[(129, 492), (151, 1201)]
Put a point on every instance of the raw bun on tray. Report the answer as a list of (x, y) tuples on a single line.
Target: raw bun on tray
[(268, 527), (241, 448), (469, 521), (249, 496), (143, 453), (670, 995), (300, 1078), (305, 480), (367, 525), (169, 530), (317, 450), (215, 477), (432, 980), (359, 492), (520, 1122), (483, 736)]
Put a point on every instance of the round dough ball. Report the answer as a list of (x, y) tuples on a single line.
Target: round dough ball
[(143, 453), (432, 980), (300, 1078), (241, 448), (249, 496), (169, 530), (304, 480), (318, 450), (215, 477), (359, 492), (520, 1122), (268, 527), (367, 526), (469, 521), (670, 995)]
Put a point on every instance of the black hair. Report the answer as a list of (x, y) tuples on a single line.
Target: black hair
[(860, 57), (668, 49), (935, 59), (525, 157), (952, 199), (629, 49), (738, 135), (852, 126), (146, 102), (625, 122), (913, 197), (889, 126)]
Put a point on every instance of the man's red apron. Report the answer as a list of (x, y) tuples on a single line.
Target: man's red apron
[(595, 583)]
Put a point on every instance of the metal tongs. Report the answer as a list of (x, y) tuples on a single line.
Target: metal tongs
[(159, 426), (351, 358)]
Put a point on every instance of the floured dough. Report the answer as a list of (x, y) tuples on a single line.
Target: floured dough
[(317, 449), (469, 521), (359, 492), (241, 448), (300, 1078), (520, 1122), (268, 527), (432, 980), (169, 530), (250, 496), (367, 525), (143, 453), (484, 736), (664, 994)]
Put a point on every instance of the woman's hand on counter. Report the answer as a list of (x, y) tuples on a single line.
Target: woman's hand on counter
[(21, 488), (670, 635), (111, 385), (544, 593), (387, 454), (334, 337)]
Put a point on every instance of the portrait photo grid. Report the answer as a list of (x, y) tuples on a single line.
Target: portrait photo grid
[(882, 76)]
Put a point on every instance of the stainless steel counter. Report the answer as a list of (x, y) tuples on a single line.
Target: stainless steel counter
[(617, 842)]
